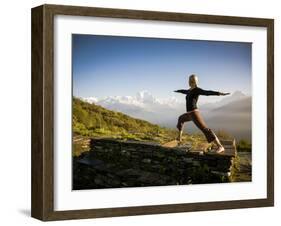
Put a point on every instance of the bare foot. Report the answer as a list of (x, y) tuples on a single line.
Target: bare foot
[(220, 149)]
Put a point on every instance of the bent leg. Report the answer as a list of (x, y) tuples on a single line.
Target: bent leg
[(181, 120)]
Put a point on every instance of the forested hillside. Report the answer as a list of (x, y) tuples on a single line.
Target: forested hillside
[(95, 121)]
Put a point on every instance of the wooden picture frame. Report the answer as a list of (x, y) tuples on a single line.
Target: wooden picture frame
[(42, 205)]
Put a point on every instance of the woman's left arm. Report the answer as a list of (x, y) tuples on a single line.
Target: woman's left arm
[(211, 92)]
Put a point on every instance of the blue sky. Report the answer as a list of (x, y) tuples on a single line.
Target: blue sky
[(111, 65)]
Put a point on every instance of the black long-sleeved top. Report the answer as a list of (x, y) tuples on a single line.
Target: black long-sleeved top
[(193, 94)]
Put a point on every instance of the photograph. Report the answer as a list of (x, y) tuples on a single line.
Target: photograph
[(158, 111)]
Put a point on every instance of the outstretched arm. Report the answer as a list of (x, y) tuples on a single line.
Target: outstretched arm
[(183, 91), (224, 94), (211, 93)]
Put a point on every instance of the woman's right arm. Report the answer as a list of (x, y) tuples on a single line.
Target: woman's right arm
[(183, 91)]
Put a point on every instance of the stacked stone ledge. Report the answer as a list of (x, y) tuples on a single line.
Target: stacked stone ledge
[(114, 163)]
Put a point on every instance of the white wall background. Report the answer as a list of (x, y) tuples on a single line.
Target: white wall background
[(15, 111)]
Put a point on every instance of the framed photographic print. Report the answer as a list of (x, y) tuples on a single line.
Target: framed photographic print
[(142, 112)]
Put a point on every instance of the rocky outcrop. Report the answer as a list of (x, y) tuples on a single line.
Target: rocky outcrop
[(112, 163)]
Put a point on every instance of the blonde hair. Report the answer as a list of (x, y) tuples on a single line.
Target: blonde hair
[(193, 80)]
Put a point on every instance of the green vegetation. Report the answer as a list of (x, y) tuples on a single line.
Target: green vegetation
[(91, 120), (244, 145), (243, 167)]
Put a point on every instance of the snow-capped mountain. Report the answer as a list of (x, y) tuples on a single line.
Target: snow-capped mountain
[(165, 112), (142, 100)]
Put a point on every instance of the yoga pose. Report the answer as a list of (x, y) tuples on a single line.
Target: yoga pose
[(192, 111)]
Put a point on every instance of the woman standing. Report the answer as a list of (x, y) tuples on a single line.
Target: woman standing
[(192, 111)]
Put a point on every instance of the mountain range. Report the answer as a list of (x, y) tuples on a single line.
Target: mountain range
[(232, 113)]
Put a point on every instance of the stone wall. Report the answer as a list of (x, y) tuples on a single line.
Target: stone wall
[(113, 163)]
